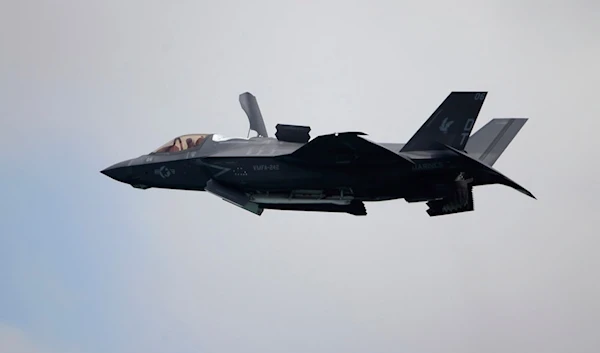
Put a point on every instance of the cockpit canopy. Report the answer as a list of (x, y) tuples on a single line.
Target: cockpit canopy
[(182, 143)]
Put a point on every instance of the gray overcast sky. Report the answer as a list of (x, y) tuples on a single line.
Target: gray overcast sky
[(91, 265)]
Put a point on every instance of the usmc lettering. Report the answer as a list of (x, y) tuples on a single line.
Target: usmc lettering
[(265, 167), (428, 166)]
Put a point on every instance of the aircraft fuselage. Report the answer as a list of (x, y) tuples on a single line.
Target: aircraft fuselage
[(334, 172), (261, 165)]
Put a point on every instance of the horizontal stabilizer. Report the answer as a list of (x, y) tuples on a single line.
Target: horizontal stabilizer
[(345, 148), (490, 172), (489, 142)]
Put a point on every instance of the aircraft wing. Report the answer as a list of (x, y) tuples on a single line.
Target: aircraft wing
[(345, 148)]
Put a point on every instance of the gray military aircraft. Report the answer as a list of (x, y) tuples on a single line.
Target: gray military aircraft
[(338, 172)]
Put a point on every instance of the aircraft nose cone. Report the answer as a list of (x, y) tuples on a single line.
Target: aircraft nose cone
[(119, 172)]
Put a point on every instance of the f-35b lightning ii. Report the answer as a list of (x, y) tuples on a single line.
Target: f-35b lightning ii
[(439, 165)]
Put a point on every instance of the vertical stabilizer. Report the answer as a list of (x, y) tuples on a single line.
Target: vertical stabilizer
[(450, 124)]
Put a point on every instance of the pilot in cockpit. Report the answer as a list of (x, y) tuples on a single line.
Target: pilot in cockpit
[(171, 148), (177, 144)]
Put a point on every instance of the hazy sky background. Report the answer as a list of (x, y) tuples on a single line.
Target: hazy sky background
[(89, 265)]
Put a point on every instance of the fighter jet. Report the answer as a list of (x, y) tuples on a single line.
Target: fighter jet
[(439, 165)]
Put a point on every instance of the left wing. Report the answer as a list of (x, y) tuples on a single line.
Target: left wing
[(345, 148)]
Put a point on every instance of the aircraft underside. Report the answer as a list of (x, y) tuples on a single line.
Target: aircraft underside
[(445, 194), (460, 200)]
